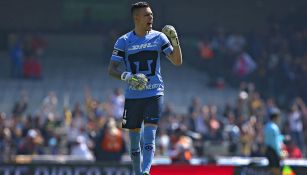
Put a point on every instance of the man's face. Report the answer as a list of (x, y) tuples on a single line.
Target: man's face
[(144, 18)]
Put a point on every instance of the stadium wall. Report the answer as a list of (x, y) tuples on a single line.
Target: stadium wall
[(194, 17)]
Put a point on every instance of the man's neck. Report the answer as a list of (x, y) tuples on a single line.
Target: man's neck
[(273, 121), (140, 32)]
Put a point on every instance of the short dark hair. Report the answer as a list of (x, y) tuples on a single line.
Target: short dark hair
[(274, 116), (138, 5), (274, 113)]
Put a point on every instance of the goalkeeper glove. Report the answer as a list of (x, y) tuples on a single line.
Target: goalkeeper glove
[(170, 32), (136, 81)]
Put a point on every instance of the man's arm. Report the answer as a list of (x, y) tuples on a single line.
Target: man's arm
[(176, 55), (113, 69), (137, 81)]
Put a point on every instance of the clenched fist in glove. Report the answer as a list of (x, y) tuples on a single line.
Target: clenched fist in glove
[(170, 32), (136, 81)]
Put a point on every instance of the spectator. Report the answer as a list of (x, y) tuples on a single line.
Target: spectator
[(81, 149), (296, 126), (6, 141), (110, 143), (16, 55), (21, 106), (235, 43), (79, 120), (292, 150), (31, 144), (206, 52), (244, 64), (32, 68), (248, 136), (163, 141), (77, 110), (218, 42), (232, 132), (117, 102), (72, 133), (273, 142), (50, 102), (215, 126), (200, 121), (181, 149), (38, 44), (53, 143), (195, 105)]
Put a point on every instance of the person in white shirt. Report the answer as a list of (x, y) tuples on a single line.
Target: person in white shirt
[(81, 149)]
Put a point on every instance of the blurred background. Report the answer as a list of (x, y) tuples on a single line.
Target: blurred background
[(242, 59)]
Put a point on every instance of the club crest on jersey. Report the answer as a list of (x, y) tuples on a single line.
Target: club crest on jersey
[(141, 46)]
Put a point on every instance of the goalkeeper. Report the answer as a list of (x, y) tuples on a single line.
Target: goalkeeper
[(139, 51)]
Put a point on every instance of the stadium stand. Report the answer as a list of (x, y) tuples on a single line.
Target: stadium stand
[(71, 74)]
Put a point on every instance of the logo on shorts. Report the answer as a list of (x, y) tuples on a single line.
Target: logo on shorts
[(125, 113), (124, 117), (124, 121), (115, 52)]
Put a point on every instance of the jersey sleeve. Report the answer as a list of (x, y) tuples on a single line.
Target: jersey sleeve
[(118, 53), (166, 46)]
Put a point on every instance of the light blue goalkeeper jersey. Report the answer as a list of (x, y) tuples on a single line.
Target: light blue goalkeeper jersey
[(272, 136), (142, 55)]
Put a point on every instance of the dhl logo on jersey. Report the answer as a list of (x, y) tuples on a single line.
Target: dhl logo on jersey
[(142, 46)]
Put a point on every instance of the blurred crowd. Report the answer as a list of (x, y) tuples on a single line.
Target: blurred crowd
[(92, 129), (272, 56), (237, 129)]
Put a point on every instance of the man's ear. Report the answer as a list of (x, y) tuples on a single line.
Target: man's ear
[(136, 17)]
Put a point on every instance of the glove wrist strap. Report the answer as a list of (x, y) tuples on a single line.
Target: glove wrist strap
[(124, 76)]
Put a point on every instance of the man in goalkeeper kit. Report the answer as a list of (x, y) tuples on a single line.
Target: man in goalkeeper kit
[(139, 51)]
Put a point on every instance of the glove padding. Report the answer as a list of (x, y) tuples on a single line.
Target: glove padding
[(170, 32), (137, 81)]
